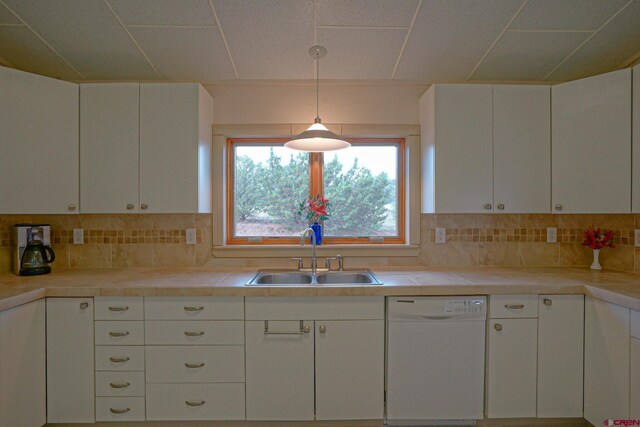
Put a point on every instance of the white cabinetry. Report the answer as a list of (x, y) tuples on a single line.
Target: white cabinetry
[(591, 150), (634, 400), (38, 144), (70, 360), (485, 148), (22, 366), (606, 361), (348, 335), (635, 185), (145, 148)]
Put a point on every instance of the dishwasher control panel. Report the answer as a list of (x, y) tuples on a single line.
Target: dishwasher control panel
[(464, 305), (412, 309)]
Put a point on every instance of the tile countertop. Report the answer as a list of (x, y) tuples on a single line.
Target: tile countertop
[(608, 285)]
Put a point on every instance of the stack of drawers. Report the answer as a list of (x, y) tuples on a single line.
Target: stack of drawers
[(119, 363), (195, 358)]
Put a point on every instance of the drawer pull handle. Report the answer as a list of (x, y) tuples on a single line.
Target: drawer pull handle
[(304, 329), (192, 403), (119, 385), (497, 327), (119, 359), (84, 305), (123, 308), (547, 301), (119, 411), (514, 306), (194, 333), (119, 334), (194, 365), (193, 308)]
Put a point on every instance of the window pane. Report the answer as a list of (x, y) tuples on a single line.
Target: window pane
[(270, 182), (362, 187)]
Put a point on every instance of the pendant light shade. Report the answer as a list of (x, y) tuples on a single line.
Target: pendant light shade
[(317, 138)]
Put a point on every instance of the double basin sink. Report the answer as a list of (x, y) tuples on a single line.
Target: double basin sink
[(301, 278)]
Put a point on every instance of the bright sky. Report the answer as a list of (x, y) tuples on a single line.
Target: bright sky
[(376, 159)]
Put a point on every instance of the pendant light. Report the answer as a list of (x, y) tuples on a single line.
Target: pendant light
[(317, 138)]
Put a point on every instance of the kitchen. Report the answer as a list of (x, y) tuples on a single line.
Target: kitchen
[(126, 130)]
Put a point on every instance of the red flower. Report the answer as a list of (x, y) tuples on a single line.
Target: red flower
[(595, 238)]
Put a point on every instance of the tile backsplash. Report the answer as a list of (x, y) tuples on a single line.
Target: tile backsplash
[(159, 240)]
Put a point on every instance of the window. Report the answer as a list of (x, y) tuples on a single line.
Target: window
[(266, 183)]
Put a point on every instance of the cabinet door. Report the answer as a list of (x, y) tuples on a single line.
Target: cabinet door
[(279, 371), (349, 369), (463, 147), (606, 361), (635, 185), (634, 412), (560, 356), (591, 150), (511, 377), (70, 373), (109, 147), (521, 148), (169, 148), (39, 168), (23, 401)]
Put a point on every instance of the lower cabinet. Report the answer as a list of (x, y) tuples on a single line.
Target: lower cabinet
[(634, 410), (22, 366), (315, 358)]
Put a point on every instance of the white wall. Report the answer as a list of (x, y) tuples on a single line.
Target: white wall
[(262, 103)]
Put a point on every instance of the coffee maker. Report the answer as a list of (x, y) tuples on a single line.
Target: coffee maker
[(33, 254)]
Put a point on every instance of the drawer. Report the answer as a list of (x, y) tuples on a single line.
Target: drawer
[(312, 308), (194, 308), (127, 332), (119, 308), (195, 402), (635, 324), (120, 409), (513, 306), (195, 364), (167, 332), (119, 358), (115, 384)]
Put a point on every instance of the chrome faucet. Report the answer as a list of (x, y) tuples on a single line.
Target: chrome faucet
[(312, 235)]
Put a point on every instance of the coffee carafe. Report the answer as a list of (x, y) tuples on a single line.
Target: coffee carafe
[(34, 254)]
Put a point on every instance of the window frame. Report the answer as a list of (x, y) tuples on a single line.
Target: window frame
[(316, 183)]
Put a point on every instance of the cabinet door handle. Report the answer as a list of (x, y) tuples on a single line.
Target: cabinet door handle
[(194, 333), (322, 329), (558, 207), (71, 207), (119, 334), (119, 410), (194, 308), (144, 206), (122, 308), (84, 305), (192, 403), (119, 359), (497, 327), (194, 365), (304, 329), (514, 306), (130, 206), (119, 385), (547, 301), (487, 206), (501, 206)]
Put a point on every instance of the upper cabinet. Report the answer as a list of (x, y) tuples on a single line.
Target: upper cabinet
[(38, 144), (146, 148), (591, 149), (485, 148), (635, 184)]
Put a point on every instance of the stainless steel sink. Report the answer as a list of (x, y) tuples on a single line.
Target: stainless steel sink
[(298, 278)]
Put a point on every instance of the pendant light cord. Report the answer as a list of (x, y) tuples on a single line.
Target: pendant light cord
[(318, 87)]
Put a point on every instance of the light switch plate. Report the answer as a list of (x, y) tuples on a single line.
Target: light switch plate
[(636, 237), (552, 235), (191, 236), (78, 236), (441, 235)]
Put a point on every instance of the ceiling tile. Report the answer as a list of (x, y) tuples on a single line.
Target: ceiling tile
[(566, 14), (6, 17), (359, 53), (366, 12), (164, 12), (196, 54), (606, 51), (23, 50), (268, 39), (449, 37), (527, 56), (86, 34)]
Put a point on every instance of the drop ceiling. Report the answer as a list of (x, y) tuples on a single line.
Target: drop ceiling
[(214, 41)]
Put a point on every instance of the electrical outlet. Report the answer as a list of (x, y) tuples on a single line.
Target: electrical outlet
[(191, 236), (636, 237), (552, 235), (441, 235), (78, 236)]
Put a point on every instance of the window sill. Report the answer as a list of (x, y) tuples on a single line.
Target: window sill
[(283, 251)]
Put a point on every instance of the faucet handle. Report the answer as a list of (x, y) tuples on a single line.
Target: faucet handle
[(299, 262), (340, 259), (327, 262)]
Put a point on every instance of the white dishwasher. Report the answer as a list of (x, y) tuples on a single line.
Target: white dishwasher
[(435, 360)]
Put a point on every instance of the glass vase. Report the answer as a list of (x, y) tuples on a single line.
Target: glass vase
[(317, 230)]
